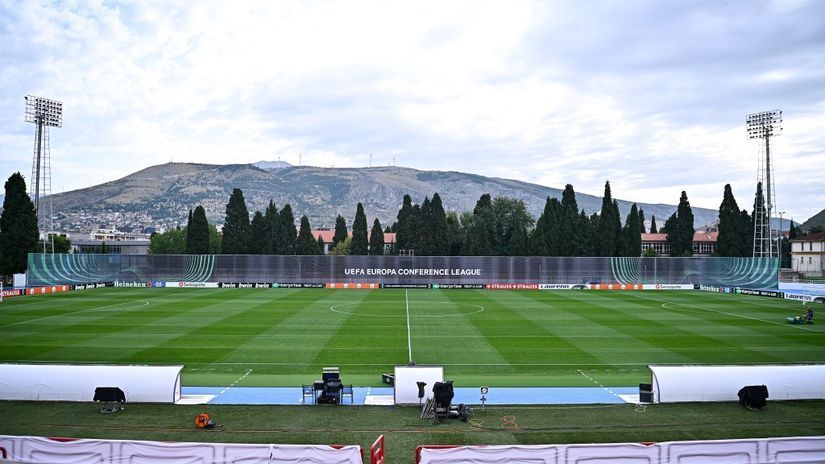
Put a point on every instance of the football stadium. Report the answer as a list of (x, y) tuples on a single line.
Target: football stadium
[(438, 359)]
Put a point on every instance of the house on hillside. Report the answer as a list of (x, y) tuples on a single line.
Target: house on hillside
[(808, 255)]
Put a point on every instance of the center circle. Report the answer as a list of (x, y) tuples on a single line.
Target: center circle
[(433, 309)]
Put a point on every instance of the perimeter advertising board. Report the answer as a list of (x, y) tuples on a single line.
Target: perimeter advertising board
[(494, 271)]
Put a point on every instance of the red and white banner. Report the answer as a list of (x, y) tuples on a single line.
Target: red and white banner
[(12, 292), (512, 286), (52, 289), (354, 285), (616, 286)]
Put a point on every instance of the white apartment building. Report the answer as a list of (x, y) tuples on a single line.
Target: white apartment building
[(808, 254)]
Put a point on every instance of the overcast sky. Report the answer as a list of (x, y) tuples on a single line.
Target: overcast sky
[(650, 95)]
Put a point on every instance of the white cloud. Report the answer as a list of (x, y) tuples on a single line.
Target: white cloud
[(651, 96)]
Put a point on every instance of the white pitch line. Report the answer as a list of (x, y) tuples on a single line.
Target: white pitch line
[(248, 371), (608, 390), (742, 316), (111, 308), (409, 336)]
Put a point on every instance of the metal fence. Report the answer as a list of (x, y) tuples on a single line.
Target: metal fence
[(53, 269)]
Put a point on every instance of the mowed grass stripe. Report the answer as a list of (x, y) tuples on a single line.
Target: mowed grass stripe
[(653, 319), (353, 343), (80, 325), (505, 311), (617, 342), (304, 342), (435, 312), (714, 320), (195, 343)]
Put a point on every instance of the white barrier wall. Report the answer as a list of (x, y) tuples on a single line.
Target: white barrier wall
[(763, 450), (39, 450), (64, 382), (673, 384)]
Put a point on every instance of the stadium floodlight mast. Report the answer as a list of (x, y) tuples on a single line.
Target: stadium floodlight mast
[(44, 113), (764, 125)]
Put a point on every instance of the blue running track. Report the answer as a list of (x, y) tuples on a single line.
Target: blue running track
[(495, 396)]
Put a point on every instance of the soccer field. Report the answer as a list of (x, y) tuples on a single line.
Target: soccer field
[(283, 337)]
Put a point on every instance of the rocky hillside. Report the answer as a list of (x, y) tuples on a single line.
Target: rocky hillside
[(818, 220), (163, 194)]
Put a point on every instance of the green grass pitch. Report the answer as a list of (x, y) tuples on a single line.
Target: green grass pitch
[(283, 337)]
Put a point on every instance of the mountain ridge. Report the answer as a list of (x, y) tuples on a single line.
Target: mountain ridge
[(165, 193)]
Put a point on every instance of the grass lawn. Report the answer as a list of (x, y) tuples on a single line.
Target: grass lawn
[(283, 337), (404, 430)]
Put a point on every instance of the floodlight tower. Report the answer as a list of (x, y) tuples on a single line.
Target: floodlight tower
[(43, 113), (764, 125)]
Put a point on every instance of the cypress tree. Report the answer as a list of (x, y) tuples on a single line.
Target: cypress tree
[(653, 229), (272, 225), (609, 226), (340, 231), (305, 243), (236, 225), (480, 228), (403, 230), (746, 232), (538, 236), (197, 232), (286, 230), (18, 227), (455, 232), (586, 225), (360, 242), (569, 233), (376, 239), (642, 227), (631, 235), (422, 224), (188, 231), (680, 229), (439, 232), (730, 241), (483, 227), (258, 233), (544, 240), (321, 244)]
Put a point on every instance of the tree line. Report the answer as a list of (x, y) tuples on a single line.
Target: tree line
[(498, 226)]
